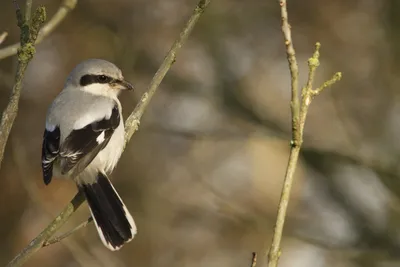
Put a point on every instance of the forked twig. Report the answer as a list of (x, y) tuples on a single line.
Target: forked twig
[(299, 108), (64, 9)]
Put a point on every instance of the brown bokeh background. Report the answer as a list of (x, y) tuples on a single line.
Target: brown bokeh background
[(203, 175)]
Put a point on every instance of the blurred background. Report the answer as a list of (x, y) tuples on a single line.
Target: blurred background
[(203, 175)]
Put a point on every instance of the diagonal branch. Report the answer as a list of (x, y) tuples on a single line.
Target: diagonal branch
[(132, 125), (62, 12)]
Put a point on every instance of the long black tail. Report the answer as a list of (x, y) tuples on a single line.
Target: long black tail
[(113, 221)]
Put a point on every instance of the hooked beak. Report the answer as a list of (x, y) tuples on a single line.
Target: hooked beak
[(125, 85)]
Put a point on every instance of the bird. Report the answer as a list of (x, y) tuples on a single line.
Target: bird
[(83, 141)]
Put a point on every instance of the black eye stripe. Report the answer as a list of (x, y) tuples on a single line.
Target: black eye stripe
[(91, 79)]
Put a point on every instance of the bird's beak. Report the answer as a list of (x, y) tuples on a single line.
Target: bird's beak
[(125, 85)]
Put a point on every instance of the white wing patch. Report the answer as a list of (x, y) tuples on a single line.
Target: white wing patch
[(100, 139), (50, 127), (73, 156)]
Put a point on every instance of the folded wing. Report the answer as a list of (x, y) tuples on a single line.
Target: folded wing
[(82, 145)]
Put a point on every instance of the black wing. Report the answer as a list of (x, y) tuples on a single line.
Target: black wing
[(50, 149), (81, 146)]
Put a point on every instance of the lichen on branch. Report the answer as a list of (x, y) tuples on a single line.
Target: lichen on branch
[(29, 29)]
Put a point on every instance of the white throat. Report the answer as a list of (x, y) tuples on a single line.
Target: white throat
[(101, 90)]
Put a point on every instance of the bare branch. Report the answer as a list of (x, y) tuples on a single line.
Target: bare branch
[(254, 260), (337, 77), (25, 54), (132, 124), (274, 253), (298, 123), (62, 12), (308, 93), (294, 70), (313, 64)]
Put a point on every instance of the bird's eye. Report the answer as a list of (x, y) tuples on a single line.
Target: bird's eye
[(103, 79)]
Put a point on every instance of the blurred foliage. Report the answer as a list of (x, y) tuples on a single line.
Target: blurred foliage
[(203, 175)]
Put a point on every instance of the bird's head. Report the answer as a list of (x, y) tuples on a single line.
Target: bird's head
[(98, 77)]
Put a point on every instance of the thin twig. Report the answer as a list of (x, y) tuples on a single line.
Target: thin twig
[(274, 252), (132, 124), (307, 92), (299, 113), (254, 260), (25, 54), (67, 234), (328, 83), (65, 7), (294, 70), (3, 36)]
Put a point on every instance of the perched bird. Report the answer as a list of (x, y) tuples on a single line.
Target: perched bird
[(83, 141)]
